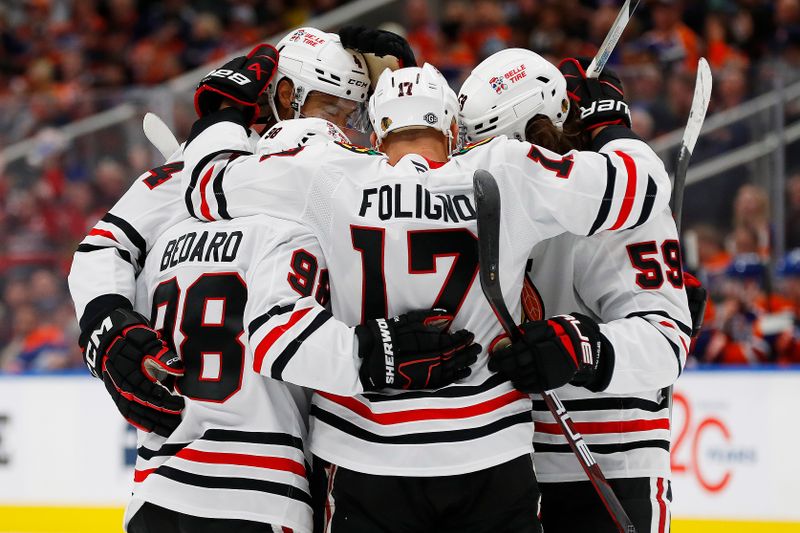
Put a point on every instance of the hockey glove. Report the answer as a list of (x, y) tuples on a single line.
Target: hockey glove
[(382, 49), (133, 361), (551, 353), (697, 296), (413, 351), (241, 80), (601, 100)]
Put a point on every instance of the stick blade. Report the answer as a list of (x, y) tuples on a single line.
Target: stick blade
[(702, 97), (159, 135), (487, 200)]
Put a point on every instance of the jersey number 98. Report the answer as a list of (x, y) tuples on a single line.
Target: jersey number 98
[(211, 325)]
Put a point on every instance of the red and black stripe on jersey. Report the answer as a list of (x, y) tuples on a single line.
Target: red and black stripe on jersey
[(287, 330), (577, 407), (185, 452)]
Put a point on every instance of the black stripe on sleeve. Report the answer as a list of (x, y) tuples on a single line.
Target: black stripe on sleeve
[(195, 179), (603, 449), (607, 404), (253, 437), (166, 450), (130, 232), (235, 483), (686, 330), (286, 355), (124, 254), (428, 437), (263, 319), (226, 435), (608, 196), (219, 194), (649, 200)]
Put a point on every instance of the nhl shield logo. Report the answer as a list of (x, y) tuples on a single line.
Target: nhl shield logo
[(498, 84)]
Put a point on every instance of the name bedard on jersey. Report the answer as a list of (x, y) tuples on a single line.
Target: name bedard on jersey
[(222, 247)]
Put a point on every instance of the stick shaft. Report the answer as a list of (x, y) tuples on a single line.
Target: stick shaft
[(487, 196), (611, 40)]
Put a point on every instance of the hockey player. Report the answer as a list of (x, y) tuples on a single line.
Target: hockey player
[(236, 459), (625, 288), (455, 459), (105, 266)]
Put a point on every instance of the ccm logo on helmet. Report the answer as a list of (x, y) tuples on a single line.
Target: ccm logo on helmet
[(605, 105), (236, 77), (357, 83)]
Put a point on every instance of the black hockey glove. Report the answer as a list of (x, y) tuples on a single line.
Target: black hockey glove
[(133, 361), (601, 100), (697, 296), (563, 349), (413, 351), (241, 80), (381, 43)]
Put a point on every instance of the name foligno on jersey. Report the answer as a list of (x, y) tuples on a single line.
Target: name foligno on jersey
[(398, 201), (222, 247)]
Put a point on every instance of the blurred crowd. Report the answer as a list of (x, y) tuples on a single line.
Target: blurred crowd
[(53, 52), (61, 60)]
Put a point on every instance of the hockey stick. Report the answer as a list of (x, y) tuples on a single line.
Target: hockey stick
[(617, 29), (697, 115), (487, 199), (159, 135)]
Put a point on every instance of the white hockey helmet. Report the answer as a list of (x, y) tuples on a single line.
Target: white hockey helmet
[(506, 90), (316, 61), (413, 97), (288, 134)]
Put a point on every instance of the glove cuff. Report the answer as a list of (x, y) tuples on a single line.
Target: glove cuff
[(366, 339), (601, 377), (595, 377)]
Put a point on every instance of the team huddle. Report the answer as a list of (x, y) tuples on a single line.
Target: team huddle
[(296, 327)]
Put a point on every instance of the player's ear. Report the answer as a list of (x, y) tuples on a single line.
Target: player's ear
[(454, 129), (373, 139), (283, 98)]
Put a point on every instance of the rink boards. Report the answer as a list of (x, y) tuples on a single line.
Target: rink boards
[(66, 457)]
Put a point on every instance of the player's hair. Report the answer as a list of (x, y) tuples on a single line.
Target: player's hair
[(541, 131)]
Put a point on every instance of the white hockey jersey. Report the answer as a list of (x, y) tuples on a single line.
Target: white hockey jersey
[(632, 283), (238, 452), (403, 237), (110, 257)]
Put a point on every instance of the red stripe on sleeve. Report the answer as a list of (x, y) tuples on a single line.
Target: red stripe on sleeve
[(241, 459), (274, 334), (416, 415), (619, 426), (204, 209), (102, 233), (630, 190), (141, 475)]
